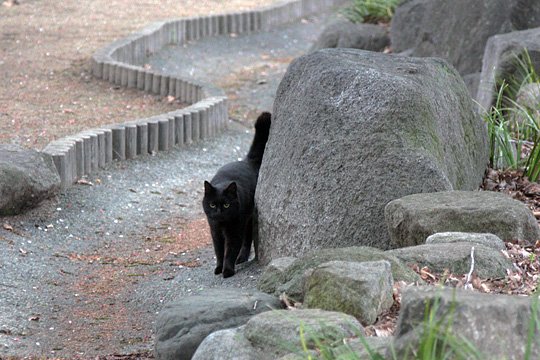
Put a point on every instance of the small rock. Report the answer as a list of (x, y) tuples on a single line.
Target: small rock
[(277, 333), (363, 290), (456, 257), (486, 239), (229, 344), (274, 274)]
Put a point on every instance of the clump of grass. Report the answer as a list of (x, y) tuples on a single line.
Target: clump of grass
[(512, 126), (437, 340), (371, 11)]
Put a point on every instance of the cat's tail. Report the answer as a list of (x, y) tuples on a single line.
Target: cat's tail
[(262, 130)]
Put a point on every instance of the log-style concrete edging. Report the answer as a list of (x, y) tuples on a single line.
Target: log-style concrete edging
[(83, 153)]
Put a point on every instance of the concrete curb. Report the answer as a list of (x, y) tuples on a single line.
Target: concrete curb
[(84, 153)]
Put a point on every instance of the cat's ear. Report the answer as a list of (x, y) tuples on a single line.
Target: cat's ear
[(208, 188), (231, 189)]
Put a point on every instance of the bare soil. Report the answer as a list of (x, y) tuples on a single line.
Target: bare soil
[(46, 90)]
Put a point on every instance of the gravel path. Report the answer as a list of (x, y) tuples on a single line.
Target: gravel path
[(248, 67), (85, 274)]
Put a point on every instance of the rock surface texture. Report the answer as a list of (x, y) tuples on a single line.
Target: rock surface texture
[(413, 218), (277, 335), (278, 332), (486, 239), (496, 325), (456, 257), (27, 177), (353, 130), (458, 30), (228, 344), (182, 325), (363, 290), (342, 33)]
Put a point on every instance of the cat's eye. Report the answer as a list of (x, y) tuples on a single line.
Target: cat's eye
[(212, 205), (226, 205)]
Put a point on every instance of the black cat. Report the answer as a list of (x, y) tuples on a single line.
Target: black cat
[(229, 203)]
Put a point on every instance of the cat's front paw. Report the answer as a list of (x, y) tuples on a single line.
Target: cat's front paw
[(228, 273), (218, 270)]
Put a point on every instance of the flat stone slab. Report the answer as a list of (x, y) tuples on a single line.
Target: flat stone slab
[(486, 239), (456, 257), (411, 219)]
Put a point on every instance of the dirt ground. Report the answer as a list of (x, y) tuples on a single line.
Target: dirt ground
[(46, 90)]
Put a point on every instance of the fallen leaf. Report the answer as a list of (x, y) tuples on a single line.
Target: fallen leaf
[(7, 227)]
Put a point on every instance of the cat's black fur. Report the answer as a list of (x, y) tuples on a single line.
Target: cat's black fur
[(229, 203)]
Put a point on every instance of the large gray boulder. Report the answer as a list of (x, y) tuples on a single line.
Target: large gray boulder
[(495, 325), (456, 257), (27, 177), (292, 279), (413, 218), (363, 290), (182, 325), (353, 130), (501, 53), (458, 30), (342, 33)]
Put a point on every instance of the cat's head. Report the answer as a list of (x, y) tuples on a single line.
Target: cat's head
[(221, 203)]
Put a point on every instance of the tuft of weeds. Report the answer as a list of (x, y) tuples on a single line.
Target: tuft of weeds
[(370, 11), (512, 126)]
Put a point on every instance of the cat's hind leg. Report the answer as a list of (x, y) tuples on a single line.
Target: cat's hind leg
[(246, 244)]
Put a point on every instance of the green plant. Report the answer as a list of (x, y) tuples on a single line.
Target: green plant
[(370, 11), (511, 126), (502, 152), (436, 339), (534, 325), (435, 342)]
